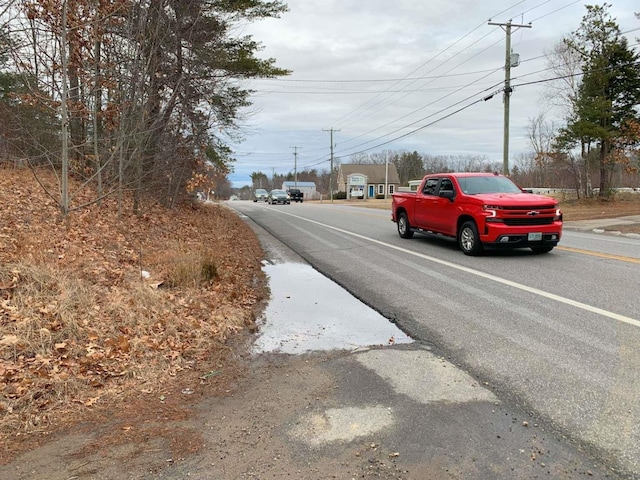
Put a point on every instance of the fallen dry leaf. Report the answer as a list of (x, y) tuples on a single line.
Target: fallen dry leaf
[(9, 340)]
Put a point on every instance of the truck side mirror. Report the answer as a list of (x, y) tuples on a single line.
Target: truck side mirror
[(450, 194)]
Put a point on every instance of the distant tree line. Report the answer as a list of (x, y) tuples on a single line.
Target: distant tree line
[(409, 165)]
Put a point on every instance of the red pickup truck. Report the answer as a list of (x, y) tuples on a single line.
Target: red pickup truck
[(479, 210)]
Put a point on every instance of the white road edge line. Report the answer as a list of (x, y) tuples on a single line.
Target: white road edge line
[(535, 291)]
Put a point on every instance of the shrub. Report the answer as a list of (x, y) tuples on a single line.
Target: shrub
[(192, 269)]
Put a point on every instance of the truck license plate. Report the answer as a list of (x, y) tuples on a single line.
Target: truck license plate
[(534, 236)]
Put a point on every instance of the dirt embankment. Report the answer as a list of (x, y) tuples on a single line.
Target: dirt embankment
[(98, 310)]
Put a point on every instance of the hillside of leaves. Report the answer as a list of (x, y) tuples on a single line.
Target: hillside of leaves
[(96, 308)]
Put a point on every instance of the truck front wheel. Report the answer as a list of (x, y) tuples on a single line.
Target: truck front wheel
[(404, 229), (469, 239)]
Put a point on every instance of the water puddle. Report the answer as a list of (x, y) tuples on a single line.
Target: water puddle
[(308, 312)]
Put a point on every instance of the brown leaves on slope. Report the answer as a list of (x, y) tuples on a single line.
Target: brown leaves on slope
[(94, 305)]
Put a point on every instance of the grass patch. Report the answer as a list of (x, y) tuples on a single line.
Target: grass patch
[(191, 269)]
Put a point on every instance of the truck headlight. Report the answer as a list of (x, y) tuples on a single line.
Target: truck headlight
[(491, 210), (558, 215)]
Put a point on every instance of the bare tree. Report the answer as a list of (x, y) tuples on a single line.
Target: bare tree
[(565, 65), (145, 87), (541, 133)]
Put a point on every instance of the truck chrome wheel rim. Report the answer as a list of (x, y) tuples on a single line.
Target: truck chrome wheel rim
[(402, 225), (467, 239)]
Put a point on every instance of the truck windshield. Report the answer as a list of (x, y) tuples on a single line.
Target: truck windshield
[(493, 184)]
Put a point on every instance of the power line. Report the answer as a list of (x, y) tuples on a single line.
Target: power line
[(368, 110), (364, 92), (348, 115), (376, 80), (419, 128), (359, 92), (428, 105), (555, 11), (533, 8), (404, 89), (352, 113), (427, 117), (488, 97), (522, 84), (577, 74)]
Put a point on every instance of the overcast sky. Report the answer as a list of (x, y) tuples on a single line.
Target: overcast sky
[(391, 75)]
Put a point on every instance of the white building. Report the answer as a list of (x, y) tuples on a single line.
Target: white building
[(308, 189)]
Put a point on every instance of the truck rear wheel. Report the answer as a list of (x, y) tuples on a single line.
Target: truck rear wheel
[(404, 229), (469, 239)]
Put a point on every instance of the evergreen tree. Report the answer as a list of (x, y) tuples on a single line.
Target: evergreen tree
[(606, 99)]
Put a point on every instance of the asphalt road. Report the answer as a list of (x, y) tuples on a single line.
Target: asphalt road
[(556, 335)]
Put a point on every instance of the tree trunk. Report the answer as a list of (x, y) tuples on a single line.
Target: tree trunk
[(97, 130), (604, 173), (64, 194), (75, 122)]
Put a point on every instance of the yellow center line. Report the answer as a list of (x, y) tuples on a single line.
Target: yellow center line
[(598, 254)]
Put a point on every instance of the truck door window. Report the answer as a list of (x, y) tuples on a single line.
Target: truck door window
[(430, 186), (446, 185)]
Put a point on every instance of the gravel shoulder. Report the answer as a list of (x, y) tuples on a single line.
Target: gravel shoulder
[(314, 417)]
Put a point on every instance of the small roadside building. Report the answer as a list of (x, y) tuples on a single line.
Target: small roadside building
[(367, 180), (308, 189)]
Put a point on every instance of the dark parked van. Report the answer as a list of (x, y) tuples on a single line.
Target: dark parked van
[(295, 194)]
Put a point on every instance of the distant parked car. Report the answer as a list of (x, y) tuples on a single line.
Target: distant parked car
[(260, 195), (278, 196), (296, 195)]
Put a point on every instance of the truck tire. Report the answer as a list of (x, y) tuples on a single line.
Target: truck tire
[(469, 239), (404, 229)]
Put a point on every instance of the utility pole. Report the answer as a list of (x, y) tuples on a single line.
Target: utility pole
[(386, 175), (507, 89), (295, 166), (331, 130)]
